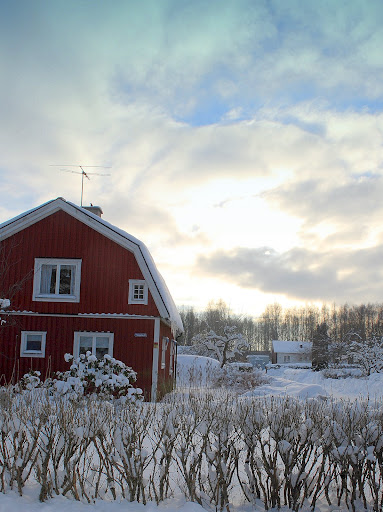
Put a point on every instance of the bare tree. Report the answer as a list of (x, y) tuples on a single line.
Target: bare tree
[(232, 344), (8, 287)]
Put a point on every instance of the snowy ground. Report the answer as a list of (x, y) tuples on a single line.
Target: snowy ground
[(305, 383), (286, 380), (302, 383), (11, 502)]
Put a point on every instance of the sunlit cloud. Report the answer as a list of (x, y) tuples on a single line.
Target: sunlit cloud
[(228, 126)]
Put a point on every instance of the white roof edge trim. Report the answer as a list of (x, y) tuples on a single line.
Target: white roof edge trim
[(152, 276)]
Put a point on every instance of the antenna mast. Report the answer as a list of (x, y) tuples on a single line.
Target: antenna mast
[(83, 173)]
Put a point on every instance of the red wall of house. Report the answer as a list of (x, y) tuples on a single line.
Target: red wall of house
[(136, 352), (105, 271)]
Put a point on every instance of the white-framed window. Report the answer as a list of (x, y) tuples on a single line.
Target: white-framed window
[(98, 343), (286, 359), (57, 280), (33, 343), (138, 291), (165, 342)]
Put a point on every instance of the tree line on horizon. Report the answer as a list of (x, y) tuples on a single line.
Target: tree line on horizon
[(276, 322)]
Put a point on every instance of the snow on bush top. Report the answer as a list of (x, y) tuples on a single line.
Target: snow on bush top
[(195, 370), (105, 377), (4, 303)]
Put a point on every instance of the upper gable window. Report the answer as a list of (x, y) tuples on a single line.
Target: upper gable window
[(57, 280), (138, 291)]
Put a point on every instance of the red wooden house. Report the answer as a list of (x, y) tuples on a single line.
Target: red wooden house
[(86, 285)]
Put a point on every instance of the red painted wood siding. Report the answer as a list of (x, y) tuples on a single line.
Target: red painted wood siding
[(105, 272), (136, 352)]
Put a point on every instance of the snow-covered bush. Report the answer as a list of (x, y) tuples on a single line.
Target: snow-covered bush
[(87, 375), (284, 453), (30, 380), (106, 377), (4, 303), (239, 377), (195, 371), (342, 372)]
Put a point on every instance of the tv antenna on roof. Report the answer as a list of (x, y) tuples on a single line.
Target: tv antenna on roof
[(83, 173)]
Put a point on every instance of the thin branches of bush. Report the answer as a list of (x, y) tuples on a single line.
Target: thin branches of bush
[(214, 448)]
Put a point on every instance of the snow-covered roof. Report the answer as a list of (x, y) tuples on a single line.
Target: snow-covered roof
[(156, 283), (291, 347)]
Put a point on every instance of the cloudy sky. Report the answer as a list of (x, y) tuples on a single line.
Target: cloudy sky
[(244, 137)]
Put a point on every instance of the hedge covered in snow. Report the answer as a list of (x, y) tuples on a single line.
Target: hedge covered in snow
[(215, 449)]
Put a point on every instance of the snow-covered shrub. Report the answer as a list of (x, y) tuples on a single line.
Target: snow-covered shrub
[(239, 377), (30, 381), (342, 372), (105, 377), (195, 371), (4, 303)]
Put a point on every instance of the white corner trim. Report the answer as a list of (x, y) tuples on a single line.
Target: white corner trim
[(156, 349)]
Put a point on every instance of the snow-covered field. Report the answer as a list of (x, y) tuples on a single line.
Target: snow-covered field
[(284, 381), (305, 383)]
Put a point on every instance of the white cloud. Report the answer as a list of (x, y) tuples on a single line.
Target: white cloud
[(267, 109)]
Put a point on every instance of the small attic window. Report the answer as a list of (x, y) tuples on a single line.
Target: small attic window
[(138, 291)]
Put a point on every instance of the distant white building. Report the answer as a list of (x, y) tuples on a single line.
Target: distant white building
[(284, 352)]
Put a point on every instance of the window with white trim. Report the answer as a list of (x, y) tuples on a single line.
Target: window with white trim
[(286, 359), (33, 343), (138, 291), (97, 343), (165, 342), (57, 280)]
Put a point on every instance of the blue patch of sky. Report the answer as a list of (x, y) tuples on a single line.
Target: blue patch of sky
[(209, 111), (370, 175), (360, 104), (315, 128)]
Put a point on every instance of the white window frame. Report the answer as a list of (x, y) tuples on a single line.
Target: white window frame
[(132, 284), (56, 297), (165, 342), (32, 353), (287, 358), (78, 334)]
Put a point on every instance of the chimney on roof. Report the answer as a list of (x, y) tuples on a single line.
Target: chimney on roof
[(94, 209)]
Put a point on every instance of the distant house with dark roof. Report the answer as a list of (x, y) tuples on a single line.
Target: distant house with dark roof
[(92, 287), (284, 352)]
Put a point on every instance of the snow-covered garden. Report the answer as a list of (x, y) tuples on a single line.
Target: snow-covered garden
[(297, 441)]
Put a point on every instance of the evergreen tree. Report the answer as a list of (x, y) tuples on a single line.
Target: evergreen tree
[(320, 347)]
